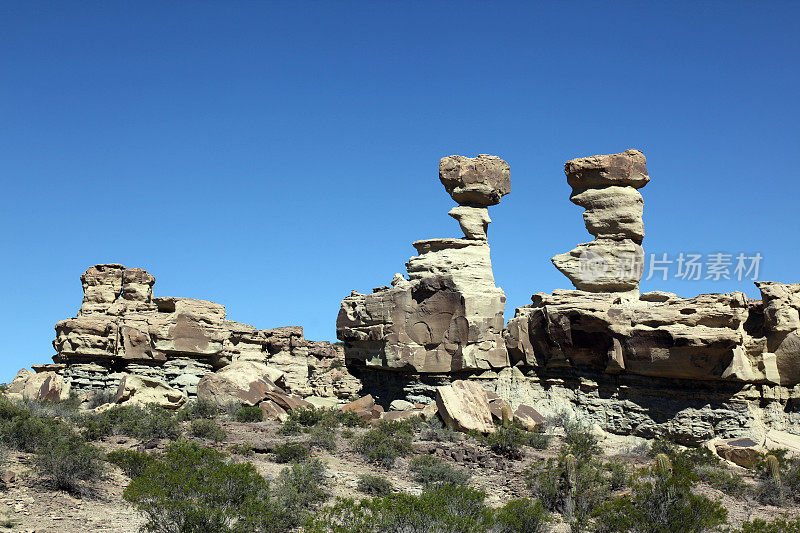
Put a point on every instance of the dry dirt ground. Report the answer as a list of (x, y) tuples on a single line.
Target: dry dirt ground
[(32, 507)]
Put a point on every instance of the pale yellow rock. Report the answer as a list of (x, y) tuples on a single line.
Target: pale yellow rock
[(464, 406), (245, 382), (141, 390)]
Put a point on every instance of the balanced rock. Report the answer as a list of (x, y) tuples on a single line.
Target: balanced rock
[(606, 187), (464, 406), (448, 315), (475, 181)]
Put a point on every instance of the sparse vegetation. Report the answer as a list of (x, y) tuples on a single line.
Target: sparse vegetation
[(384, 444), (428, 469), (291, 451), (131, 462), (249, 413), (150, 422), (69, 464), (323, 438), (204, 428), (374, 485)]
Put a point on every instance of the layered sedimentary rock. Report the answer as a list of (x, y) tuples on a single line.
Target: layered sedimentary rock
[(606, 187), (121, 329), (447, 316)]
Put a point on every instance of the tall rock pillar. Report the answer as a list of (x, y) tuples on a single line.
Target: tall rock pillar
[(448, 314)]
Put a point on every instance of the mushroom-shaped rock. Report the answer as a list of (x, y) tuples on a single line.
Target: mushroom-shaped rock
[(475, 181), (474, 221)]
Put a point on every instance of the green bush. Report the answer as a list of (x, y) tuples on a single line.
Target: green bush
[(249, 413), (522, 516), (722, 479), (290, 452), (580, 442), (10, 410), (428, 469), (28, 433), (384, 444), (508, 440), (436, 431), (576, 498), (198, 409), (144, 423), (440, 508), (660, 502), (348, 433), (779, 525), (193, 489), (69, 463), (617, 474), (131, 462), (290, 427), (302, 486), (99, 398), (322, 438), (241, 449), (311, 416), (374, 485), (204, 428)]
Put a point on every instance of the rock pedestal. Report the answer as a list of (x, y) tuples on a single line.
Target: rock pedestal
[(447, 316), (606, 187)]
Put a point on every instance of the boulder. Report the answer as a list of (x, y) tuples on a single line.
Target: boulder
[(528, 418), (45, 387), (288, 402), (744, 452), (628, 169), (273, 411), (365, 403), (391, 416), (464, 406), (475, 181), (142, 390), (401, 405), (245, 382), (15, 389), (319, 402)]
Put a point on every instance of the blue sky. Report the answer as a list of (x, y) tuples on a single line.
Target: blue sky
[(274, 156)]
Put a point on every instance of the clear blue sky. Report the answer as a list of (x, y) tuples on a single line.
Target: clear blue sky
[(274, 156)]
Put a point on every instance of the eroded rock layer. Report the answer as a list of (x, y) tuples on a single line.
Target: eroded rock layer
[(122, 328)]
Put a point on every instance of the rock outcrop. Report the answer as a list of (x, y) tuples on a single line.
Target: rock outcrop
[(123, 329), (606, 187), (448, 315), (464, 406)]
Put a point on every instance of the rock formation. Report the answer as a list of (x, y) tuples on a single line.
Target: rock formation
[(121, 328), (606, 186), (448, 315)]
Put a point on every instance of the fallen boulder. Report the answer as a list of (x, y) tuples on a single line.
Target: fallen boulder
[(141, 390), (464, 406), (245, 382)]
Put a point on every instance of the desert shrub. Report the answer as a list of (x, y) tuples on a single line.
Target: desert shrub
[(574, 491), (323, 438), (290, 427), (99, 398), (721, 479), (374, 485), (508, 440), (428, 469), (779, 525), (193, 489), (131, 462), (781, 491), (348, 433), (302, 486), (248, 413), (241, 449), (204, 428), (198, 409), (384, 444), (29, 433), (661, 501), (522, 516), (311, 416), (580, 442), (617, 474), (10, 410), (440, 508), (150, 422), (290, 451), (435, 430), (69, 463)]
